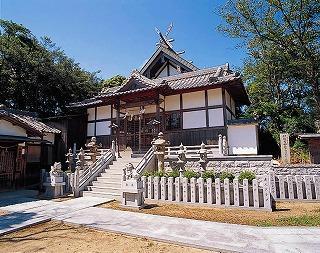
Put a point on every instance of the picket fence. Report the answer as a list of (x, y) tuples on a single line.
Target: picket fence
[(298, 187), (216, 193)]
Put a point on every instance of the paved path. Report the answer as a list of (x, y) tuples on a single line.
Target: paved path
[(204, 234), (25, 210)]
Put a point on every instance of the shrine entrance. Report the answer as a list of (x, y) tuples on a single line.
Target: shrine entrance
[(137, 132)]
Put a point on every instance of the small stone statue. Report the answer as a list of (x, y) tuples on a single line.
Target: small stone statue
[(129, 172), (56, 170)]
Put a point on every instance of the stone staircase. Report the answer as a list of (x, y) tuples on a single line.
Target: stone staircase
[(108, 184)]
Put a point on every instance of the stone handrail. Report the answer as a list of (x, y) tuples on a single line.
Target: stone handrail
[(145, 161), (91, 172), (192, 150)]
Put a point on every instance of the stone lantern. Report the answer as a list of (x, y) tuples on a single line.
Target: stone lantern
[(160, 148), (55, 183), (93, 147), (203, 157), (181, 158), (69, 161)]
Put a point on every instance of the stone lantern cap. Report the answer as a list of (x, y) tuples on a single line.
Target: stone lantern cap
[(160, 141)]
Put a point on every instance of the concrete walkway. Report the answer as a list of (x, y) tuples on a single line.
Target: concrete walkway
[(203, 234), (25, 210)]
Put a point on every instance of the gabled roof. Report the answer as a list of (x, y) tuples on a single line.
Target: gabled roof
[(27, 120), (170, 53), (209, 77)]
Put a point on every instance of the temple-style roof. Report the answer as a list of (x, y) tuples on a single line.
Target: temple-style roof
[(26, 120), (209, 77)]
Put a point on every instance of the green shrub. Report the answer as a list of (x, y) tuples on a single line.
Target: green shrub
[(173, 173), (246, 174), (159, 174), (147, 173), (225, 174), (208, 174), (190, 174)]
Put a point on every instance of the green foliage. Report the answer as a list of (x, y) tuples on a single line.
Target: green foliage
[(173, 173), (190, 174), (36, 75), (113, 81), (282, 72), (226, 174), (147, 174), (208, 174), (159, 174), (246, 174), (299, 152)]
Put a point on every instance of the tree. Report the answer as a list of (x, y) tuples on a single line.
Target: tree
[(283, 68), (36, 75), (114, 81)]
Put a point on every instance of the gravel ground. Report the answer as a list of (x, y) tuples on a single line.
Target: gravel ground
[(58, 237), (287, 213)]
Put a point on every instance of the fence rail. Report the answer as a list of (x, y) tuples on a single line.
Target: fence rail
[(299, 187), (217, 193)]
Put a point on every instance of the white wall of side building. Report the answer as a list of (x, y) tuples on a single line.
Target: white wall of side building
[(243, 139), (216, 117), (104, 112), (7, 128)]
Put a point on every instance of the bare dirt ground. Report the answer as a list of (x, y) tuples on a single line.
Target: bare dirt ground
[(286, 214), (57, 237)]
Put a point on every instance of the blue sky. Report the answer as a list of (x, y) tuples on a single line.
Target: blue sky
[(118, 36)]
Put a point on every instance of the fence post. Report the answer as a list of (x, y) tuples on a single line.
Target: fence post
[(299, 186), (267, 201), (76, 175), (281, 187), (209, 191), (185, 189), (178, 188), (163, 188), (170, 189), (272, 180), (156, 188), (150, 188), (218, 191), (145, 188), (316, 180), (220, 144), (236, 196), (308, 187), (255, 189), (226, 186), (193, 190), (246, 192), (290, 186), (113, 149), (201, 190)]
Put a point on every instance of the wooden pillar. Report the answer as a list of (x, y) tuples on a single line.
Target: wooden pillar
[(224, 106), (118, 124)]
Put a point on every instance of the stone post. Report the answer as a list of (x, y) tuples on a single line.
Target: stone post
[(76, 175), (69, 161), (220, 144), (225, 146), (113, 149), (81, 155), (181, 159), (160, 148), (203, 157)]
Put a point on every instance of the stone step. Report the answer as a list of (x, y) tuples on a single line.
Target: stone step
[(110, 184), (115, 196), (104, 189), (108, 179)]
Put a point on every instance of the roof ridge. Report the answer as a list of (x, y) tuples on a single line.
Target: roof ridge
[(192, 73)]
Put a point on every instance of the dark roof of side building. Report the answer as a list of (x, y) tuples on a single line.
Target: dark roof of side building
[(27, 120)]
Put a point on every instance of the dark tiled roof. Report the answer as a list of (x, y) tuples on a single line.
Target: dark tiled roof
[(193, 79), (28, 119)]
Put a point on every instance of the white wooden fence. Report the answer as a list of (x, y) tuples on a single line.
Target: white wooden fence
[(217, 193), (299, 187)]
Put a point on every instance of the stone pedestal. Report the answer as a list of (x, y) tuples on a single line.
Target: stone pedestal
[(132, 193), (54, 184)]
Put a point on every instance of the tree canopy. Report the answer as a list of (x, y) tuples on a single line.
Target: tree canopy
[(282, 72), (114, 81), (36, 75)]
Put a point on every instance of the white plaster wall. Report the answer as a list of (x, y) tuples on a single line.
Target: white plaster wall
[(172, 103), (49, 137), (243, 139), (90, 129), (91, 113), (228, 102), (104, 112), (103, 128), (7, 128), (193, 99), (216, 117), (215, 97), (195, 119)]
